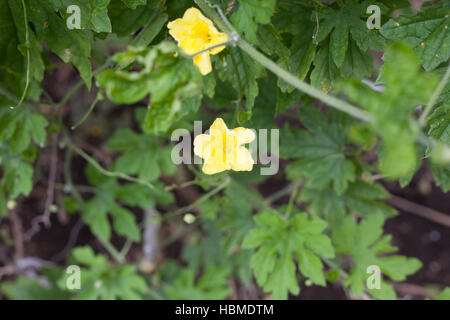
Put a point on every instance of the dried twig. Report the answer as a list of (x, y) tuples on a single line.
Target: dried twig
[(70, 243), (419, 210), (230, 7), (414, 290), (45, 217), (51, 181), (150, 242), (16, 229)]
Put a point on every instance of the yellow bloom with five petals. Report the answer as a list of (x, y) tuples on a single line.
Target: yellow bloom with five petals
[(222, 148), (193, 33)]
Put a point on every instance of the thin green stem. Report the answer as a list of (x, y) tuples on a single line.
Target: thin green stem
[(27, 44), (239, 101), (126, 248), (68, 176), (112, 251), (279, 194), (79, 84), (193, 205), (434, 97), (294, 193), (120, 175), (210, 48), (333, 265), (181, 186), (86, 115)]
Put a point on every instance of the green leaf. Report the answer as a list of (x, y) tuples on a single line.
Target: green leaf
[(444, 97), (301, 56), (286, 100), (441, 176), (211, 285), (325, 71), (26, 288), (361, 197), (17, 178), (237, 219), (101, 281), (132, 4), (13, 51), (406, 88), (127, 16), (276, 240), (242, 72), (249, 14), (344, 44), (108, 192), (366, 245), (142, 155), (173, 82), (426, 31), (93, 13), (288, 17), (357, 63), (439, 122), (19, 126), (272, 42), (322, 159), (444, 295), (70, 45)]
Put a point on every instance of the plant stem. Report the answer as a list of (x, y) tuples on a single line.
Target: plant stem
[(126, 248), (294, 193), (277, 195), (112, 251), (79, 84), (97, 166), (91, 108), (434, 97), (27, 44), (198, 201), (239, 101), (210, 48), (181, 186)]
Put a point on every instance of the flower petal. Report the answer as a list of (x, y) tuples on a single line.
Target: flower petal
[(193, 15), (243, 161), (244, 135), (202, 145), (177, 29), (217, 38), (203, 62), (219, 124)]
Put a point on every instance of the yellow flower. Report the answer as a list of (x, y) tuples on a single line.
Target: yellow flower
[(193, 33), (222, 149)]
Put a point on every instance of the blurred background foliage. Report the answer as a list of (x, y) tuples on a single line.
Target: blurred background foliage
[(87, 177)]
